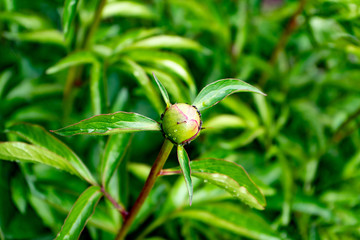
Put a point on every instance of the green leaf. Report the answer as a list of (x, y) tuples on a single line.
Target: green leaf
[(184, 162), (168, 42), (163, 91), (80, 214), (97, 88), (23, 152), (231, 218), (114, 153), (112, 123), (78, 58), (217, 91), (28, 21), (168, 62), (39, 136), (126, 9), (44, 36), (143, 80), (230, 176), (68, 15)]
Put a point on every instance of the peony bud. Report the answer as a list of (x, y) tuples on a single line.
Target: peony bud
[(181, 123)]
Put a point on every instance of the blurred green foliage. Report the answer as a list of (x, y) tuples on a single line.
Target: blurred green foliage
[(63, 61)]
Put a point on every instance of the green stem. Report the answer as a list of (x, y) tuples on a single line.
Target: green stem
[(95, 24), (154, 173)]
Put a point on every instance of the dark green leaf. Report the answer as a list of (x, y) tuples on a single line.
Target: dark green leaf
[(114, 153), (80, 214), (112, 123), (184, 162), (163, 91), (232, 178), (39, 136), (217, 91)]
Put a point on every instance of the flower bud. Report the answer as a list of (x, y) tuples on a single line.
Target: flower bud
[(181, 123)]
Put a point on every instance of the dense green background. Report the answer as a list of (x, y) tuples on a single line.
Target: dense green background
[(300, 144)]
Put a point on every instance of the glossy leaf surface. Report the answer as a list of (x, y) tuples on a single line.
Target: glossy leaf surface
[(184, 162), (217, 91), (232, 178), (39, 136), (112, 123), (80, 214), (23, 152)]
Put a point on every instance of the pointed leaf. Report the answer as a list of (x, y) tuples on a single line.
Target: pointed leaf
[(184, 162), (39, 136), (115, 151), (68, 15), (232, 177), (163, 91), (112, 123), (217, 91), (23, 152), (80, 214), (78, 58)]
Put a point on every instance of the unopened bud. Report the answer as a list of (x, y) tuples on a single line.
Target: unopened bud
[(181, 123)]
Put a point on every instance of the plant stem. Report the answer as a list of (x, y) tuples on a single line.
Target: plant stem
[(95, 24), (119, 207), (289, 29), (150, 181)]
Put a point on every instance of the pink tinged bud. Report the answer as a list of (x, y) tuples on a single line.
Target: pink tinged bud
[(181, 123)]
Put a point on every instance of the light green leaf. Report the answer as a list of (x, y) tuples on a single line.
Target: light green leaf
[(97, 88), (50, 36), (80, 214), (68, 16), (23, 152), (28, 21), (217, 91), (114, 153), (78, 58), (168, 42), (231, 218), (39, 136), (144, 81), (126, 9), (224, 121), (184, 162), (230, 176), (163, 91), (112, 123)]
